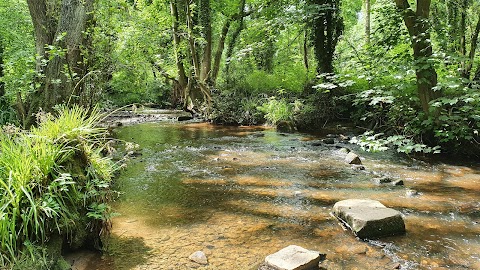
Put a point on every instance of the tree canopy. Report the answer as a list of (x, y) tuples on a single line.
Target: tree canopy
[(396, 67)]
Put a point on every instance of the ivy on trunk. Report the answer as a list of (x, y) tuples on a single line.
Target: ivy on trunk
[(60, 37), (417, 23), (327, 24)]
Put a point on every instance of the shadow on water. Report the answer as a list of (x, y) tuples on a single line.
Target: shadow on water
[(123, 253), (240, 194)]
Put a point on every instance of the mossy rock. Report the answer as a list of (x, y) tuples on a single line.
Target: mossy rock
[(54, 249), (286, 126), (61, 264)]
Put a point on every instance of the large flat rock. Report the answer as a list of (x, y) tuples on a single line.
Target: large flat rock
[(369, 218), (293, 258)]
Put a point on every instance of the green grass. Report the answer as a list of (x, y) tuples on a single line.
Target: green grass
[(277, 110), (51, 178)]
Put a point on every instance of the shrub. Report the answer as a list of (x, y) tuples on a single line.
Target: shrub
[(53, 181), (277, 110), (236, 107)]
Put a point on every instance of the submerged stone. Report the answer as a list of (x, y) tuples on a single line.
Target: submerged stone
[(199, 257), (184, 118), (328, 141), (353, 158), (411, 193), (294, 258), (316, 143), (383, 180), (356, 167), (388, 180), (369, 218)]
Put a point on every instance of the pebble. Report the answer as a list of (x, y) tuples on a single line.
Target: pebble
[(199, 257)]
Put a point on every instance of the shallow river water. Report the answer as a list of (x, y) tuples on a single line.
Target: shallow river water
[(241, 193)]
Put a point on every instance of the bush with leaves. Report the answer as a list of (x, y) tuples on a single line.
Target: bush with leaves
[(277, 110), (54, 182), (236, 107)]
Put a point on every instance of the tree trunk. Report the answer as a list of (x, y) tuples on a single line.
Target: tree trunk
[(198, 86), (473, 49), (221, 42), (453, 32), (327, 28), (181, 82), (305, 50), (219, 52), (61, 67), (367, 21), (418, 28), (44, 19), (234, 38), (206, 30), (463, 30)]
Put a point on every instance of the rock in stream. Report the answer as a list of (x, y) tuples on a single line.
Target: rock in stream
[(369, 218), (293, 258)]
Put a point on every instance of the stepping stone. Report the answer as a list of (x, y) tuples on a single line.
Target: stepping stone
[(353, 158), (294, 258), (369, 218)]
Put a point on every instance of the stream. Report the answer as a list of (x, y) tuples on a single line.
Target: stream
[(241, 193)]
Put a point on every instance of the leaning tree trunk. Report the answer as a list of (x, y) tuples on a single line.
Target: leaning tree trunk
[(418, 28), (234, 39), (219, 52), (59, 29), (223, 36)]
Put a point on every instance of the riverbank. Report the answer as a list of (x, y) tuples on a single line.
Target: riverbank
[(241, 193)]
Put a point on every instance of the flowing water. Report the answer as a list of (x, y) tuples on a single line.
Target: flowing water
[(240, 194)]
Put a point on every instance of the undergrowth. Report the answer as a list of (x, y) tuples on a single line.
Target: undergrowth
[(54, 182)]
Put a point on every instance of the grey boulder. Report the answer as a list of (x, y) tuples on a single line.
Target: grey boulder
[(369, 218)]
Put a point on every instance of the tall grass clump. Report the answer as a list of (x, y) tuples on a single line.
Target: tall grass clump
[(277, 110), (54, 184)]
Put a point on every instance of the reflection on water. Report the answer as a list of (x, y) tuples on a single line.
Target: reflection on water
[(239, 194)]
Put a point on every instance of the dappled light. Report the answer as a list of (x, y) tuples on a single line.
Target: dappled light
[(239, 198), (222, 131)]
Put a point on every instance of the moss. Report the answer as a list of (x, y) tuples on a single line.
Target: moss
[(61, 264), (286, 126)]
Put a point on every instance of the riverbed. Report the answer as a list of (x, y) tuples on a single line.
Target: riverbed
[(241, 193)]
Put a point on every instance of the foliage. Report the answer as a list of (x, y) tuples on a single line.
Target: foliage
[(453, 123), (377, 142), (51, 177), (19, 55), (269, 64), (237, 108), (277, 110)]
